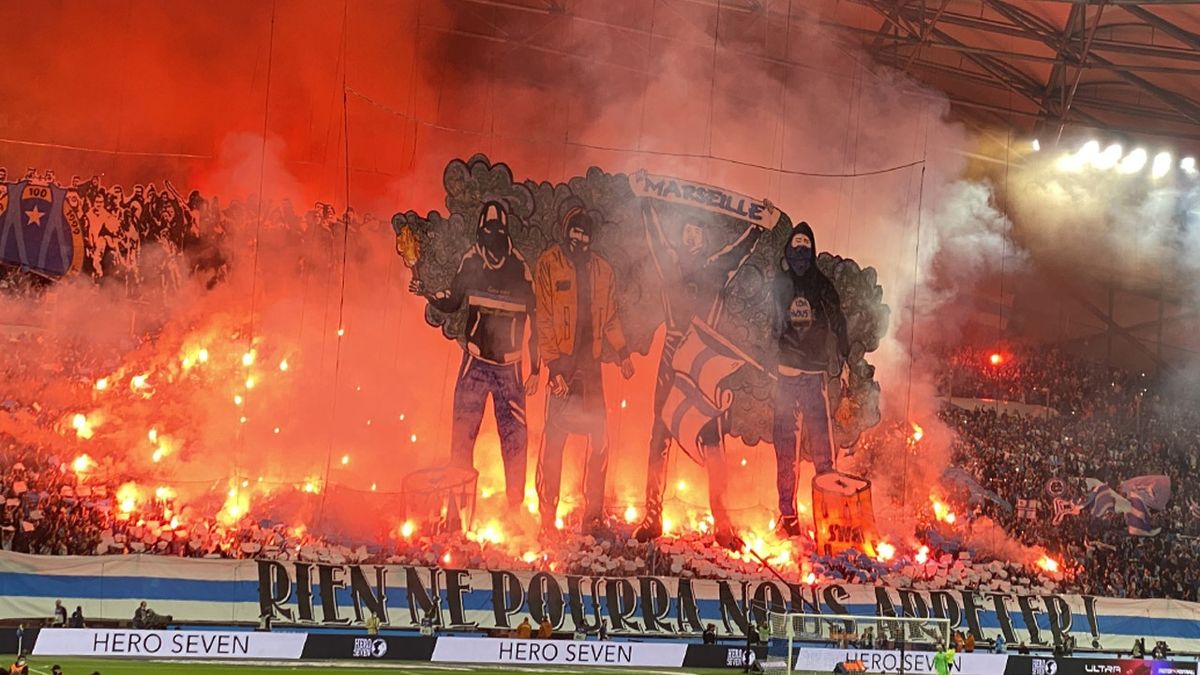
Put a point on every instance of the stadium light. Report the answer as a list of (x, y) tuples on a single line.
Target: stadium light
[(1089, 151), (1133, 162), (1188, 165), (1161, 165), (1109, 158), (1067, 162), (1037, 146)]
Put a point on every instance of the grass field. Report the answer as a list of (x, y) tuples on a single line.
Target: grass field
[(75, 666)]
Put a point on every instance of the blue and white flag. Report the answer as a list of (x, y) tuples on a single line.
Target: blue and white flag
[(1146, 494), (1138, 519), (1064, 508), (697, 398), (1103, 500), (1153, 490), (979, 494), (1137, 498)]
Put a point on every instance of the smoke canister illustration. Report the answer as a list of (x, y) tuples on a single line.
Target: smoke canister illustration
[(842, 514)]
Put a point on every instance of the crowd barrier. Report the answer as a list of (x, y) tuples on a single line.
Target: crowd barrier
[(976, 663), (884, 661), (288, 645)]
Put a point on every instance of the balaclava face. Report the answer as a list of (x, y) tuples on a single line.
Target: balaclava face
[(492, 234), (801, 250)]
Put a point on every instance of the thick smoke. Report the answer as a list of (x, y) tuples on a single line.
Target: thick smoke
[(1090, 210), (763, 103), (1076, 215)]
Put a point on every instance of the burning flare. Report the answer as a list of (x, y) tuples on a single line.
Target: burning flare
[(942, 512), (885, 551), (83, 464)]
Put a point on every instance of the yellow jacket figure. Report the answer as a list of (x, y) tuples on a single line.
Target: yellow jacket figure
[(576, 309), (558, 306)]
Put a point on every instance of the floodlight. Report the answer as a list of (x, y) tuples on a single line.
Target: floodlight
[(1036, 145), (1161, 165), (1068, 162), (1109, 158), (1133, 162), (1089, 151), (1188, 165)]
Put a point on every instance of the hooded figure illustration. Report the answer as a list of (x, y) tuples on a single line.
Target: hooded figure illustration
[(576, 316), (810, 330), (494, 282)]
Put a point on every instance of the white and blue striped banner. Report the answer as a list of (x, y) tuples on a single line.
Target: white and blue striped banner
[(309, 593)]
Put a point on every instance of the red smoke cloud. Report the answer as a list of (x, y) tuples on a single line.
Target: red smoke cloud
[(142, 91)]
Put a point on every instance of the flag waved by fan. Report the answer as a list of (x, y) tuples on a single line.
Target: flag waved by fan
[(697, 400)]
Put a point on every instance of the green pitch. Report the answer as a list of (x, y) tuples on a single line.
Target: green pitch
[(39, 665)]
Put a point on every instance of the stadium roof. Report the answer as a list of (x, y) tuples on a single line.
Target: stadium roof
[(1122, 65), (1129, 66)]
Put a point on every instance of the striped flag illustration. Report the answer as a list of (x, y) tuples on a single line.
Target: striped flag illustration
[(696, 398)]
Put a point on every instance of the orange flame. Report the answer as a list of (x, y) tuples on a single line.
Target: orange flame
[(237, 505), (83, 464), (922, 555), (82, 426), (942, 512), (129, 495)]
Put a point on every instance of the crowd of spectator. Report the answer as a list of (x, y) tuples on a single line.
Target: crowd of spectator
[(1046, 376), (150, 237), (1106, 425), (143, 240)]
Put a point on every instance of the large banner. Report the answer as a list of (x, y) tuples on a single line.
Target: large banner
[(308, 594), (521, 654), (915, 663), (558, 652), (183, 644), (1035, 665)]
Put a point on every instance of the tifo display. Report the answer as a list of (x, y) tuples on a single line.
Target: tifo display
[(475, 545)]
